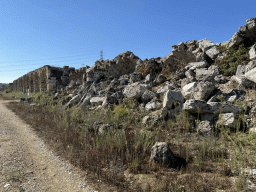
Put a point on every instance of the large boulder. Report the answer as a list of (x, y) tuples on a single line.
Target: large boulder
[(135, 90), (162, 154), (235, 40), (198, 91), (218, 107), (178, 59), (212, 52), (153, 105), (252, 52), (148, 95), (197, 106), (171, 97), (204, 74), (205, 44)]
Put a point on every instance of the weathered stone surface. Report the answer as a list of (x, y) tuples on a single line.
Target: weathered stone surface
[(227, 119), (235, 40), (163, 89), (240, 70), (135, 77), (190, 74), (74, 100), (197, 65), (159, 114), (206, 74), (159, 79), (250, 66), (188, 90), (252, 52), (171, 97), (148, 95), (149, 78), (85, 103), (198, 91), (220, 79), (204, 128), (178, 59), (135, 90), (110, 99), (217, 107), (245, 81), (153, 105), (124, 80), (212, 52), (161, 153), (205, 44), (124, 63), (252, 130), (197, 106), (97, 100)]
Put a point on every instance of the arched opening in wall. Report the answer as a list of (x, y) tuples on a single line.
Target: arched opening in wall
[(31, 83), (43, 79), (36, 82)]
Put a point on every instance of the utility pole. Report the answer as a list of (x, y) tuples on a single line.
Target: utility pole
[(101, 54)]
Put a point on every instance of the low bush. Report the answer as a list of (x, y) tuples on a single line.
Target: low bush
[(234, 57)]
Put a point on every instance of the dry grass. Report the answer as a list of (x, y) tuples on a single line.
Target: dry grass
[(204, 163)]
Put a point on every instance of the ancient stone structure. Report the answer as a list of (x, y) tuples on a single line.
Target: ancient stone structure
[(46, 78)]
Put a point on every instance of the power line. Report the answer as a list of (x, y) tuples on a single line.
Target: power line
[(46, 63), (48, 58)]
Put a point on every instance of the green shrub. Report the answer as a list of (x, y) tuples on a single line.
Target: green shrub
[(120, 111), (233, 58)]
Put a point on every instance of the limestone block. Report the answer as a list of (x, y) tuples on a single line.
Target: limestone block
[(148, 95), (153, 105), (74, 100), (252, 52), (220, 79), (227, 119), (163, 89), (235, 40), (248, 80), (204, 74), (204, 128), (97, 100), (171, 97), (196, 106), (212, 52), (161, 153), (217, 107), (197, 65), (205, 44), (250, 66), (159, 79), (188, 89), (135, 90), (240, 70)]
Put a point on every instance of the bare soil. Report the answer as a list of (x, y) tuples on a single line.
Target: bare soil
[(27, 164)]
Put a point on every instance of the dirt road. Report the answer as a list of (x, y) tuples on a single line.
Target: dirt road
[(27, 165)]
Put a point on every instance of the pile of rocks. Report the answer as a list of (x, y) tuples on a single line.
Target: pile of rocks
[(196, 88)]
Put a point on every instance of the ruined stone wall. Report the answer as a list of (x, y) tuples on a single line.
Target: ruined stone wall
[(46, 78)]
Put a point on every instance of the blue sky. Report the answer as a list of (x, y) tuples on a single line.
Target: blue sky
[(34, 33)]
